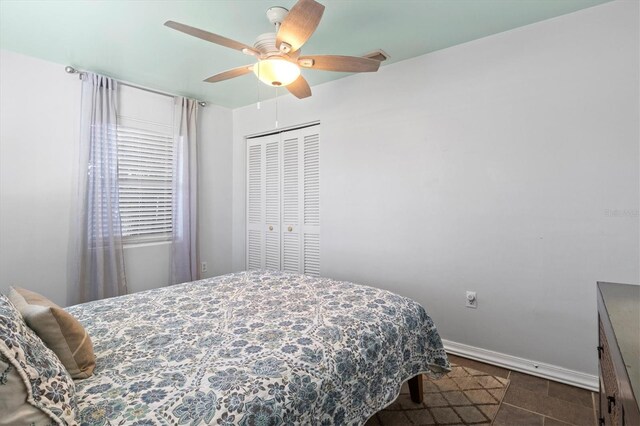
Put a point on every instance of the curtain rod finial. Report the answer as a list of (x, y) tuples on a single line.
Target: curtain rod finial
[(202, 103), (71, 70)]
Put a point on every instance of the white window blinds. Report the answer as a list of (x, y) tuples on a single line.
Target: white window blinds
[(145, 162)]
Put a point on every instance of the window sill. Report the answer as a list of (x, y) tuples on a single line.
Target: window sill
[(146, 242)]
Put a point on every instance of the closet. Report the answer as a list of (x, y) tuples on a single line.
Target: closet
[(283, 201)]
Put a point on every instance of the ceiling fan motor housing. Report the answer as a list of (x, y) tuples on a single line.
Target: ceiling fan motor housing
[(266, 44)]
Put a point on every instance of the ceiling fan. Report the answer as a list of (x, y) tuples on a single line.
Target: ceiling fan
[(279, 55)]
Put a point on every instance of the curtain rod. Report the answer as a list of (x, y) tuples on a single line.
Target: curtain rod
[(71, 70)]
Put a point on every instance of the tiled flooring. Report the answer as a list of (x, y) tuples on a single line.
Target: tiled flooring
[(463, 396), (532, 401)]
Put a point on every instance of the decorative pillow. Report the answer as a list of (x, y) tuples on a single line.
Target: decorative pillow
[(58, 329), (44, 383)]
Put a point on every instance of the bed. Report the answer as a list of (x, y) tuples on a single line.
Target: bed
[(249, 348)]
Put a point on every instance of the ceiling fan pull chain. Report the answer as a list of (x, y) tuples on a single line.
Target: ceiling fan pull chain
[(276, 107), (259, 93)]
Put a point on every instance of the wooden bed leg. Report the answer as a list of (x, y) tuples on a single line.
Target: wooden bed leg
[(415, 388)]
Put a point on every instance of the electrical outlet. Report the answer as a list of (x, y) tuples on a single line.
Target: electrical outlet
[(203, 267), (472, 300)]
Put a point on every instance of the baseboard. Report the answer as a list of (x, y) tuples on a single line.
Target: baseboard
[(540, 369)]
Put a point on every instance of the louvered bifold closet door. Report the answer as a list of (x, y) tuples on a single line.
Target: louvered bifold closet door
[(283, 201), (310, 200), (255, 203), (291, 192), (272, 202), (263, 203), (301, 201)]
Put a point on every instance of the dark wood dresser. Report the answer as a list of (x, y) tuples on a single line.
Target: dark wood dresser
[(619, 353)]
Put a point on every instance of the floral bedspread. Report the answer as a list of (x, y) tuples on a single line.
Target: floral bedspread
[(253, 348)]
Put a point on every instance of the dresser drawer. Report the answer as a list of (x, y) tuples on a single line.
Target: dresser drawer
[(609, 406)]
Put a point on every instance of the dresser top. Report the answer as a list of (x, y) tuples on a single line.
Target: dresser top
[(623, 307)]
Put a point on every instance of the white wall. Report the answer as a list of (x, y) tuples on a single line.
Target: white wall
[(489, 166), (39, 121), (39, 110), (215, 178)]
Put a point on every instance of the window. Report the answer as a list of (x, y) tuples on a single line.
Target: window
[(145, 163)]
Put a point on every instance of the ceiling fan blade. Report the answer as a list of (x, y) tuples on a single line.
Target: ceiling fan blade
[(226, 75), (211, 37), (301, 21), (339, 63), (299, 88)]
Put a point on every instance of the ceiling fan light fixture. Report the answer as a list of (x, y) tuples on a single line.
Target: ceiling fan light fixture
[(276, 72)]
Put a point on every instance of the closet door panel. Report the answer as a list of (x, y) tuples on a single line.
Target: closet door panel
[(291, 252), (310, 200), (311, 254), (255, 211), (291, 201), (254, 249), (272, 202), (290, 180), (311, 172)]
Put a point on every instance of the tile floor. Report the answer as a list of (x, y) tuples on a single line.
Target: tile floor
[(465, 395), (532, 401)]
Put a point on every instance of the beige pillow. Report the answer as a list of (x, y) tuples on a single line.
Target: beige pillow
[(58, 329)]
